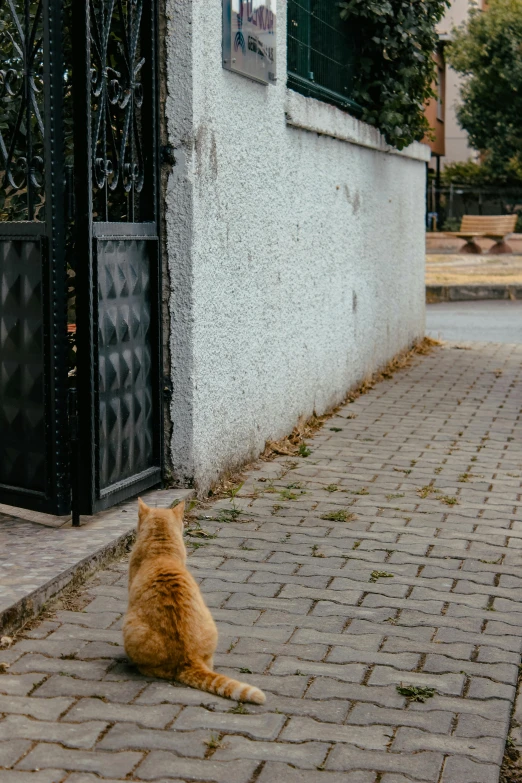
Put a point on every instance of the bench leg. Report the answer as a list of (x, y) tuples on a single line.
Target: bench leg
[(471, 247), (500, 247)]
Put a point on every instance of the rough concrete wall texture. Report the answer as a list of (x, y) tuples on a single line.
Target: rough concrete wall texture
[(296, 248)]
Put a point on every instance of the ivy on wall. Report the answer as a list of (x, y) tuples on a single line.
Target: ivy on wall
[(395, 67)]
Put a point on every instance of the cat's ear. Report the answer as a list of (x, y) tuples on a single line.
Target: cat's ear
[(178, 508), (142, 507)]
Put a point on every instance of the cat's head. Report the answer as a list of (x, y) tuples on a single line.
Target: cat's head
[(151, 517)]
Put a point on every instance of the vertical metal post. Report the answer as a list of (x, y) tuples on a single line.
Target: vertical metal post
[(83, 244), (74, 456)]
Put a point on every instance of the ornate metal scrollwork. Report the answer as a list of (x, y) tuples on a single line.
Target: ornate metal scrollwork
[(21, 110), (117, 98)]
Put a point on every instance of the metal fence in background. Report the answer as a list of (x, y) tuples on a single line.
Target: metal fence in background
[(321, 52), (446, 206)]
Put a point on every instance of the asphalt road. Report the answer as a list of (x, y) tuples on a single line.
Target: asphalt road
[(496, 322)]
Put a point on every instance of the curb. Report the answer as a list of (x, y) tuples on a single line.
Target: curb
[(15, 615), (475, 292)]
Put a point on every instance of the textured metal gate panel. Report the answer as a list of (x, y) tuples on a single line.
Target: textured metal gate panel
[(128, 449), (23, 441), (33, 327)]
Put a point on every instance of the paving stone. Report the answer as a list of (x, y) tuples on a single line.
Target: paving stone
[(255, 661), (482, 688), (301, 729), (72, 736), (88, 777), (57, 685), (308, 652), (494, 709), (106, 604), (42, 709), (350, 672), (329, 689), (154, 717), (486, 749), (89, 619), (70, 631), (272, 618), (20, 685), (160, 764), (305, 755), (125, 736), (269, 683), (280, 635), (458, 769), (423, 766), (171, 693), (44, 776), (327, 711), (39, 663), (440, 663), (368, 714), (51, 647), (443, 683), (283, 773), (12, 750), (477, 726), (404, 661), (265, 726), (108, 764)]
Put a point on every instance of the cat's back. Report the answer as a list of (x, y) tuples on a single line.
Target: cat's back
[(161, 576)]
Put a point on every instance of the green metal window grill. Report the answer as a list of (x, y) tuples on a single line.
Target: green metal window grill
[(321, 52)]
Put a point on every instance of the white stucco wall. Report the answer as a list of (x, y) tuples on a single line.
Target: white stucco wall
[(296, 255)]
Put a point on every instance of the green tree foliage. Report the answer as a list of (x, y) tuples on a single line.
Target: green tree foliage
[(471, 173), (395, 67), (487, 51)]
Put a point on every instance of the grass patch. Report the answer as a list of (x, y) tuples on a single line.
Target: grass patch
[(449, 500), (200, 533), (416, 693), (229, 514), (214, 743), (332, 488), (239, 709), (379, 575), (339, 516), (424, 492)]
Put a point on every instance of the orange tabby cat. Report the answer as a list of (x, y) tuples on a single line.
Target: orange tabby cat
[(168, 630)]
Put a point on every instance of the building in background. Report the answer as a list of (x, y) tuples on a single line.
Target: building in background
[(456, 144)]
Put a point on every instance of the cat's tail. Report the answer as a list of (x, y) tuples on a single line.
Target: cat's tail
[(198, 675)]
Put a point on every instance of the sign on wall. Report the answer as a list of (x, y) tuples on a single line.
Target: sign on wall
[(249, 38)]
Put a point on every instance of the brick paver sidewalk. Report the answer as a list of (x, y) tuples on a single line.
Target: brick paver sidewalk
[(389, 557)]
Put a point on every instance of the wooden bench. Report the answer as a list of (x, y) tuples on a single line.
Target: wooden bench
[(496, 227)]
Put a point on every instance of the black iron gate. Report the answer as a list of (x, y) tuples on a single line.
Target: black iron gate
[(79, 254)]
